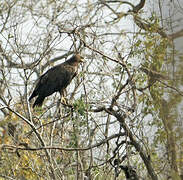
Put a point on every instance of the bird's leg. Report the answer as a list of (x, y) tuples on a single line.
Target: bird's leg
[(63, 100)]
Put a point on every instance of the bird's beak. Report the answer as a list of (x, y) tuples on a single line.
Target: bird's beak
[(82, 59)]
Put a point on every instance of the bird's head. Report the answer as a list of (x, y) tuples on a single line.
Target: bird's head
[(75, 60), (79, 58)]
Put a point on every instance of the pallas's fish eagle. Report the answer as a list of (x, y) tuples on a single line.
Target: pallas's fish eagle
[(56, 79)]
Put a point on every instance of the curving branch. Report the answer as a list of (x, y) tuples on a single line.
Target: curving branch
[(176, 35), (26, 147), (37, 135), (138, 20), (149, 27), (139, 6), (138, 147)]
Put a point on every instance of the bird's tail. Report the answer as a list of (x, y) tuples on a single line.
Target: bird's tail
[(32, 96), (38, 101)]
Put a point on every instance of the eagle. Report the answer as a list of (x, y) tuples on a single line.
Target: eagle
[(56, 79)]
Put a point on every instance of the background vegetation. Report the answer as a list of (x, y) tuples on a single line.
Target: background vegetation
[(124, 107)]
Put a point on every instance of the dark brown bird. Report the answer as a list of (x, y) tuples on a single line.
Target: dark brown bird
[(56, 79)]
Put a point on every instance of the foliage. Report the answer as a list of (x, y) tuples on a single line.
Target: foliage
[(123, 105)]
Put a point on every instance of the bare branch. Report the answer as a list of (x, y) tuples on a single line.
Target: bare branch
[(11, 147)]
